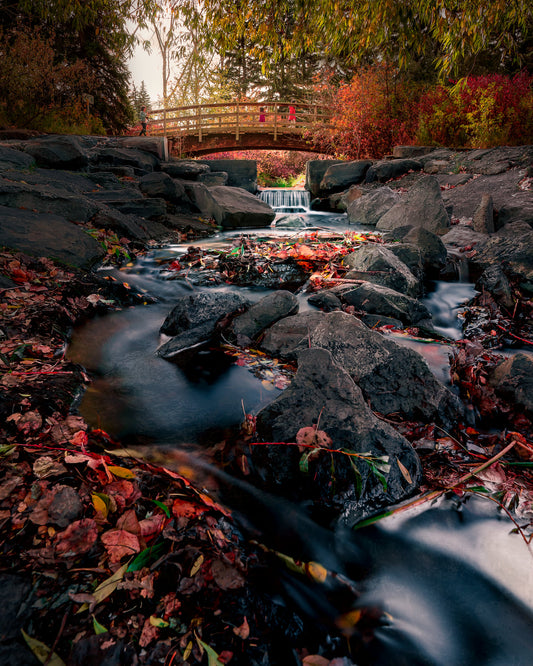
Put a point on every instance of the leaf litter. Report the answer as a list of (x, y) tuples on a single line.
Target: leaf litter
[(145, 558)]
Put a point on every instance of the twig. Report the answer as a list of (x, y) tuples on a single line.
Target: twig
[(56, 641)]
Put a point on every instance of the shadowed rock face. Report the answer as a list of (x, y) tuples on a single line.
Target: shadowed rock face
[(323, 392), (44, 234), (422, 206), (393, 378)]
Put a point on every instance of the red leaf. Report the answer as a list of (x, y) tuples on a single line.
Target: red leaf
[(77, 539)]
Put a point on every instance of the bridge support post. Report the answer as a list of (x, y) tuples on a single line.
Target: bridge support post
[(199, 119), (237, 128), (275, 122)]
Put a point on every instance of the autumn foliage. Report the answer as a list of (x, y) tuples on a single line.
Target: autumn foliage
[(379, 109)]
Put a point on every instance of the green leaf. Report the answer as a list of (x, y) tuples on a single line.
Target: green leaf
[(358, 478), (304, 460), (98, 628), (42, 651), (162, 506), (147, 556), (380, 476), (212, 656)]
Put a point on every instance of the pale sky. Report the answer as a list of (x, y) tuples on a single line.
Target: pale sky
[(147, 68)]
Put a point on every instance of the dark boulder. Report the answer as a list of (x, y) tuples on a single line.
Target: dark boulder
[(57, 152), (45, 235), (422, 206), (375, 263), (248, 326), (340, 176), (193, 320), (370, 208), (512, 379), (389, 169), (323, 393), (394, 379)]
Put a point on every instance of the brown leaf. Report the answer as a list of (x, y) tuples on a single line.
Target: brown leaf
[(148, 634), (128, 521), (243, 631), (225, 576), (119, 544), (77, 539), (46, 466), (404, 471)]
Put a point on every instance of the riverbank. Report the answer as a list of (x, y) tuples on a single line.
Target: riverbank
[(110, 556)]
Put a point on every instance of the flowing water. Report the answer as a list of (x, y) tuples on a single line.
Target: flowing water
[(456, 585)]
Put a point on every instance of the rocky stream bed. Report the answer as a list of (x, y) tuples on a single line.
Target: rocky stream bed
[(244, 551)]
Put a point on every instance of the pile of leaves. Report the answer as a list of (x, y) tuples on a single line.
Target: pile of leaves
[(314, 258)]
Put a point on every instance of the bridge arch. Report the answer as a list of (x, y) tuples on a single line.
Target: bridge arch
[(219, 127)]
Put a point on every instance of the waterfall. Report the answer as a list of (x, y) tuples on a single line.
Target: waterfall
[(286, 201)]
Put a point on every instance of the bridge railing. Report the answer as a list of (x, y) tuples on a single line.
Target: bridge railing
[(237, 118)]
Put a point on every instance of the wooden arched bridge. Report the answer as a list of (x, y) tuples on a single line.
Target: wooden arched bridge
[(218, 127)]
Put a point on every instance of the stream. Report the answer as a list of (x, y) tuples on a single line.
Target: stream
[(456, 584)]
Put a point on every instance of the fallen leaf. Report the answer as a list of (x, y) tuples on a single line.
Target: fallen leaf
[(243, 631), (315, 660), (105, 588), (77, 539), (212, 656), (43, 653), (149, 633), (196, 566), (119, 544), (46, 466), (226, 576), (404, 471), (122, 472)]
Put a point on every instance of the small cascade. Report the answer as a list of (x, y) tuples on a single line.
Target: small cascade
[(286, 201)]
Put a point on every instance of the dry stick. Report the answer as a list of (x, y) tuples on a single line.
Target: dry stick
[(61, 629)]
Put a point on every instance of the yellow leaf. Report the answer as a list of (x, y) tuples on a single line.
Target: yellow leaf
[(122, 472), (196, 566), (188, 651), (347, 621), (42, 652), (316, 571), (99, 505), (158, 622), (106, 588)]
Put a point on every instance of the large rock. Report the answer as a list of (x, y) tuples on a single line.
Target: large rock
[(45, 199), (340, 176), (106, 156), (193, 320), (57, 152), (15, 159), (45, 235), (232, 207), (59, 181), (156, 145), (159, 184), (270, 309), (463, 201), (513, 380), (241, 173), (393, 378), (323, 393), (370, 208), (388, 169), (380, 300), (422, 206), (375, 263), (512, 252), (186, 169), (431, 246), (314, 172), (131, 202)]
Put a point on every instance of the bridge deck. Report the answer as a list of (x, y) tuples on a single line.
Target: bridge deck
[(229, 126)]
